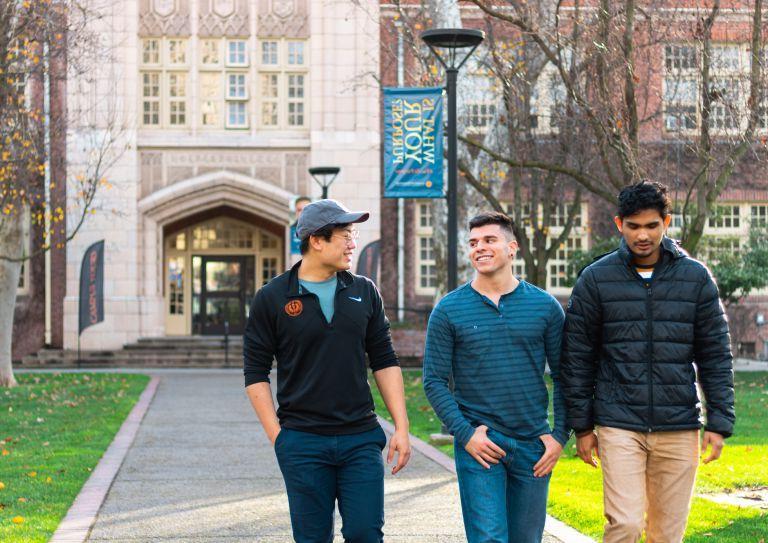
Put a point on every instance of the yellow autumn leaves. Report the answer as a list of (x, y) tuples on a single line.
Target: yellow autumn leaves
[(17, 519)]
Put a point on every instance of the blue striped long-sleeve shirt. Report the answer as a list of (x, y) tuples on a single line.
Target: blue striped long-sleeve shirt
[(497, 355)]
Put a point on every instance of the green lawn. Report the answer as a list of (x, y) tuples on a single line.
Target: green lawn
[(576, 495), (53, 430)]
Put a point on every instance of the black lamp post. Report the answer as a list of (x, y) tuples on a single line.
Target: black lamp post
[(324, 176), (458, 44)]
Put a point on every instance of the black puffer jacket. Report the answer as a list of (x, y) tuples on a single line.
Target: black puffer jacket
[(629, 346)]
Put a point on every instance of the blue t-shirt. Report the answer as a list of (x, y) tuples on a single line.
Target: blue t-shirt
[(497, 356), (325, 292)]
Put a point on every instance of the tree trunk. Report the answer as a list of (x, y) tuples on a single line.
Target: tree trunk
[(11, 238)]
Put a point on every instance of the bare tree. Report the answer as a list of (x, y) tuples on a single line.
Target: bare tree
[(607, 57), (43, 45), (497, 90)]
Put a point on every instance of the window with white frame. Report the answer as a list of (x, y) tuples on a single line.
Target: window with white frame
[(681, 94), (236, 53), (210, 98), (224, 83), (426, 266), (726, 87), (681, 97), (679, 58), (759, 215), (150, 93), (283, 78), (680, 88), (163, 79), (296, 99), (480, 115), (177, 52), (177, 99), (559, 215), (558, 266), (548, 101), (725, 216), (295, 53), (269, 53), (270, 99), (210, 52), (150, 52)]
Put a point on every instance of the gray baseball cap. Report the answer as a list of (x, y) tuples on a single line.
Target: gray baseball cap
[(324, 212)]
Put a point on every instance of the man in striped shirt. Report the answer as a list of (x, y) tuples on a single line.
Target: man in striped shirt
[(495, 335)]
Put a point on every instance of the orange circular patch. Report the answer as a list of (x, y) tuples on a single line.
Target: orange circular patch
[(294, 308)]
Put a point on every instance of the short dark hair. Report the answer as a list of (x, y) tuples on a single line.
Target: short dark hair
[(494, 217), (325, 232), (302, 198), (644, 195)]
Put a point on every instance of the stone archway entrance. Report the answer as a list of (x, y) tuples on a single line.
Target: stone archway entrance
[(209, 243), (213, 267)]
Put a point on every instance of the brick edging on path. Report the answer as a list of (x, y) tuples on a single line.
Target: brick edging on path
[(560, 530), (77, 524)]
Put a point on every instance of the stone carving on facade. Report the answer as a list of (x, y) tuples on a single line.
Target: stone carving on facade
[(283, 19), (164, 18), (162, 168), (223, 18)]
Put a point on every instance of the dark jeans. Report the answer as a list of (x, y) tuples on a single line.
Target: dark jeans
[(504, 504), (318, 470)]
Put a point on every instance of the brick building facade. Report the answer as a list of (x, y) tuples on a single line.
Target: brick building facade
[(740, 208)]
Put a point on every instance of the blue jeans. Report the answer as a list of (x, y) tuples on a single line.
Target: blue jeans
[(319, 470), (504, 504)]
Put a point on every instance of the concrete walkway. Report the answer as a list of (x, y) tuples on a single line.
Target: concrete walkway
[(201, 470)]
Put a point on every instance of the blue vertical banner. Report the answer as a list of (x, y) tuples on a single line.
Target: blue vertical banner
[(295, 241), (413, 142)]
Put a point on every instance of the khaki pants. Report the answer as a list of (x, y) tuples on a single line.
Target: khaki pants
[(651, 473)]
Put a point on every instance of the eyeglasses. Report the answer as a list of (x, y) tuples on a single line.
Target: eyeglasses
[(349, 236)]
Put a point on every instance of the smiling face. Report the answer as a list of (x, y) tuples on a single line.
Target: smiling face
[(643, 233), (491, 249), (337, 252)]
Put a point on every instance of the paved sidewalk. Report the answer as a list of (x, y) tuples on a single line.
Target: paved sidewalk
[(201, 470)]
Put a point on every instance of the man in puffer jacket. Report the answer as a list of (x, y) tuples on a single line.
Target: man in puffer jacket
[(641, 323)]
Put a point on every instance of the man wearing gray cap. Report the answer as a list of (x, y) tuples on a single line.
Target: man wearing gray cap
[(319, 321)]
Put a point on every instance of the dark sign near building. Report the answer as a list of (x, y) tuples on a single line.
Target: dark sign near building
[(92, 286)]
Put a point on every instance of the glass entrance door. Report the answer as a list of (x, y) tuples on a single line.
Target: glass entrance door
[(225, 286)]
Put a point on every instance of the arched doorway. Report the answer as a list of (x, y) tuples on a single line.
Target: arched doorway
[(167, 292), (213, 267)]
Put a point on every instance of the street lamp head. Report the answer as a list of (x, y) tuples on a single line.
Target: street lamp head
[(455, 41), (324, 176), (324, 170)]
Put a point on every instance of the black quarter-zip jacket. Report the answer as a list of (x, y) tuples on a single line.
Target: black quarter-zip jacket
[(322, 378), (630, 346)]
